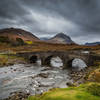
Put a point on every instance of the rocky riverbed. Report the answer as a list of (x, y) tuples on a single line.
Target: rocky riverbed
[(31, 79)]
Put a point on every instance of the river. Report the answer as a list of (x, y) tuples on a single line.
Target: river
[(30, 78)]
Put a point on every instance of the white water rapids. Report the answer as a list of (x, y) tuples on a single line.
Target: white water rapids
[(27, 78)]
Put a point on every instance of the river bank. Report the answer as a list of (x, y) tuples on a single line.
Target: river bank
[(7, 60)]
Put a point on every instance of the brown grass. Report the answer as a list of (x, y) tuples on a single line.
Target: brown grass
[(43, 46)]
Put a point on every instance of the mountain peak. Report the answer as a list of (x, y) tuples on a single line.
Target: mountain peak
[(61, 38), (62, 35)]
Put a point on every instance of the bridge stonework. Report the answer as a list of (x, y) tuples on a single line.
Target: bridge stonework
[(66, 56)]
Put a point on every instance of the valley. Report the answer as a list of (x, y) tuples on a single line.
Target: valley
[(50, 50), (38, 69)]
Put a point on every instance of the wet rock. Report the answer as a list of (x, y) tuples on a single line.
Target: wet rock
[(79, 76), (46, 84), (32, 77), (11, 68), (18, 96), (69, 84), (11, 71), (15, 70), (44, 75), (47, 68), (38, 91), (23, 70)]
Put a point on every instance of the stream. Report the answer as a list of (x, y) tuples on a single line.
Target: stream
[(31, 79)]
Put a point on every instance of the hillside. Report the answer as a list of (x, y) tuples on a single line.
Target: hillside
[(13, 33)]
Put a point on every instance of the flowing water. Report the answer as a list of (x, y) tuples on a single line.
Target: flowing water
[(31, 78)]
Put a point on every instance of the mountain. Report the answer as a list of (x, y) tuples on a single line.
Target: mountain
[(13, 33), (61, 38), (92, 44)]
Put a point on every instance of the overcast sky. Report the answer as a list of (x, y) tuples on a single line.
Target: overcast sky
[(80, 19)]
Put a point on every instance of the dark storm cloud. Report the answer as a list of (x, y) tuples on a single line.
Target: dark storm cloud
[(10, 9), (78, 18)]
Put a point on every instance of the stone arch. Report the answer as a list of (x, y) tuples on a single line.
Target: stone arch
[(49, 58), (77, 63), (69, 63), (33, 59)]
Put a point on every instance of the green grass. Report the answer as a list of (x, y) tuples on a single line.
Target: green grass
[(94, 89), (74, 93)]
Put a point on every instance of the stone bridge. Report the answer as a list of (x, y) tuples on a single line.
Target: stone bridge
[(66, 56)]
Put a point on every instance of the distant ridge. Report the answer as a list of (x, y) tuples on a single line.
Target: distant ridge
[(92, 44)]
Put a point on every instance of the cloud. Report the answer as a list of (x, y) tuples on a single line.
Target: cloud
[(79, 19)]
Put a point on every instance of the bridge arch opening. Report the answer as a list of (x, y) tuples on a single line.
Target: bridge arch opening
[(47, 60), (33, 59), (54, 61), (69, 63), (77, 64)]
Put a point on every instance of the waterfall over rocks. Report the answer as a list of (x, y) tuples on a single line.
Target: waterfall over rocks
[(78, 64), (56, 62)]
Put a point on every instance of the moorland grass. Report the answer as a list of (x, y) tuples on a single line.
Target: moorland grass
[(72, 93)]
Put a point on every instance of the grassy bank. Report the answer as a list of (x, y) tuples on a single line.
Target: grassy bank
[(72, 93), (6, 60)]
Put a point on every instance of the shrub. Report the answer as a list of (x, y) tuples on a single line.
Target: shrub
[(20, 41), (4, 39), (94, 76), (3, 61), (94, 89)]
